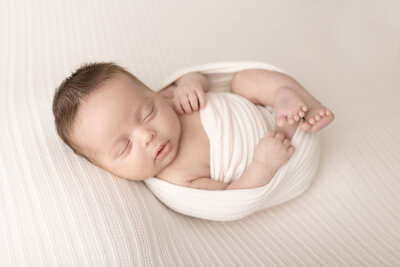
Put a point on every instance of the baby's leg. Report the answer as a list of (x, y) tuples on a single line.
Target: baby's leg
[(290, 99), (287, 102)]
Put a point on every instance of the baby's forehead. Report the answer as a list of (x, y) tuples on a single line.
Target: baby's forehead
[(103, 110), (118, 88)]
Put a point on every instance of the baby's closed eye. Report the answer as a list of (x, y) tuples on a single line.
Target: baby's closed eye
[(149, 114), (125, 148)]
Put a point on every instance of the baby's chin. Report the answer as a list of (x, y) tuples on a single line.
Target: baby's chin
[(129, 177), (134, 178)]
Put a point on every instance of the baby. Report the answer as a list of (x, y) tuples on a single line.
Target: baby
[(108, 116)]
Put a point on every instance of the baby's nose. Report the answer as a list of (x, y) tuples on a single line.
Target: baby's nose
[(146, 135)]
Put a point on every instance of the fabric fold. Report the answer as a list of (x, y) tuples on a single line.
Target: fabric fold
[(234, 126)]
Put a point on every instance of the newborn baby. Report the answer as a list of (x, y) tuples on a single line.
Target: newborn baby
[(108, 116)]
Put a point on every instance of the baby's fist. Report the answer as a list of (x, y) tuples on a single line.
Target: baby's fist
[(273, 150), (189, 97)]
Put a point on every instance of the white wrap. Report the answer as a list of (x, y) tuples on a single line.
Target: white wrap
[(234, 126)]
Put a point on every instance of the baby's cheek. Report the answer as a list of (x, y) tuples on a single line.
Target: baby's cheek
[(173, 121), (166, 122), (140, 166)]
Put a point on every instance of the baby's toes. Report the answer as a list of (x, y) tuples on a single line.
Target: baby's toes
[(296, 117), (305, 126), (301, 111), (280, 120), (291, 150), (317, 117), (290, 120)]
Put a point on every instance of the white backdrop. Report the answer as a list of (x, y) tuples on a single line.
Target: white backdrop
[(57, 209)]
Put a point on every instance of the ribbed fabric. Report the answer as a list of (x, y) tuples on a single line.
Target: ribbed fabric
[(234, 127), (56, 209)]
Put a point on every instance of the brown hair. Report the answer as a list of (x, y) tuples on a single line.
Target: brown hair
[(79, 84)]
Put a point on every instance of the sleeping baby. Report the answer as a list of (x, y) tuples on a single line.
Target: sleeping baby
[(108, 116)]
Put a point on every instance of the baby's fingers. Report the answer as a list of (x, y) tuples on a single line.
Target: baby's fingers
[(286, 142), (177, 105), (185, 104), (202, 98), (271, 133), (193, 101), (279, 136)]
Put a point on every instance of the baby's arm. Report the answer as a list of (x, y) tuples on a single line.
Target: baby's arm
[(270, 154), (206, 183), (188, 92), (254, 176), (194, 78)]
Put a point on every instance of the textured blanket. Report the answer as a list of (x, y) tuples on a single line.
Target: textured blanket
[(234, 126)]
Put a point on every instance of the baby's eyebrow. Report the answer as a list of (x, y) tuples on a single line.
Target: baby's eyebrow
[(119, 138)]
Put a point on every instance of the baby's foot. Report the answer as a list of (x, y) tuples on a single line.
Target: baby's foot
[(317, 118), (289, 106)]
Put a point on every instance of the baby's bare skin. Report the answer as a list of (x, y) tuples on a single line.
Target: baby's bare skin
[(193, 159), (135, 133), (290, 100), (292, 103), (290, 107), (270, 154)]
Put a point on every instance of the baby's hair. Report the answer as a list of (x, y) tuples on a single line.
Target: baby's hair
[(73, 89)]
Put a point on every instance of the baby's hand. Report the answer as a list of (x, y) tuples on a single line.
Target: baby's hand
[(187, 97), (273, 151)]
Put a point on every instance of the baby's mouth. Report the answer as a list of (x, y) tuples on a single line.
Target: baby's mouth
[(161, 147), (163, 151)]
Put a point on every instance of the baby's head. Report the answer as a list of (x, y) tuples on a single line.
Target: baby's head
[(108, 116)]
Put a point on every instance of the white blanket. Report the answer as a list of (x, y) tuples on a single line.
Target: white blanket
[(234, 126), (58, 210)]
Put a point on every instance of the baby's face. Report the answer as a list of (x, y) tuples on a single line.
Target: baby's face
[(122, 126)]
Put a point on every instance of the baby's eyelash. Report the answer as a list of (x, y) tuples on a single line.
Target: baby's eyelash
[(151, 112), (126, 147)]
